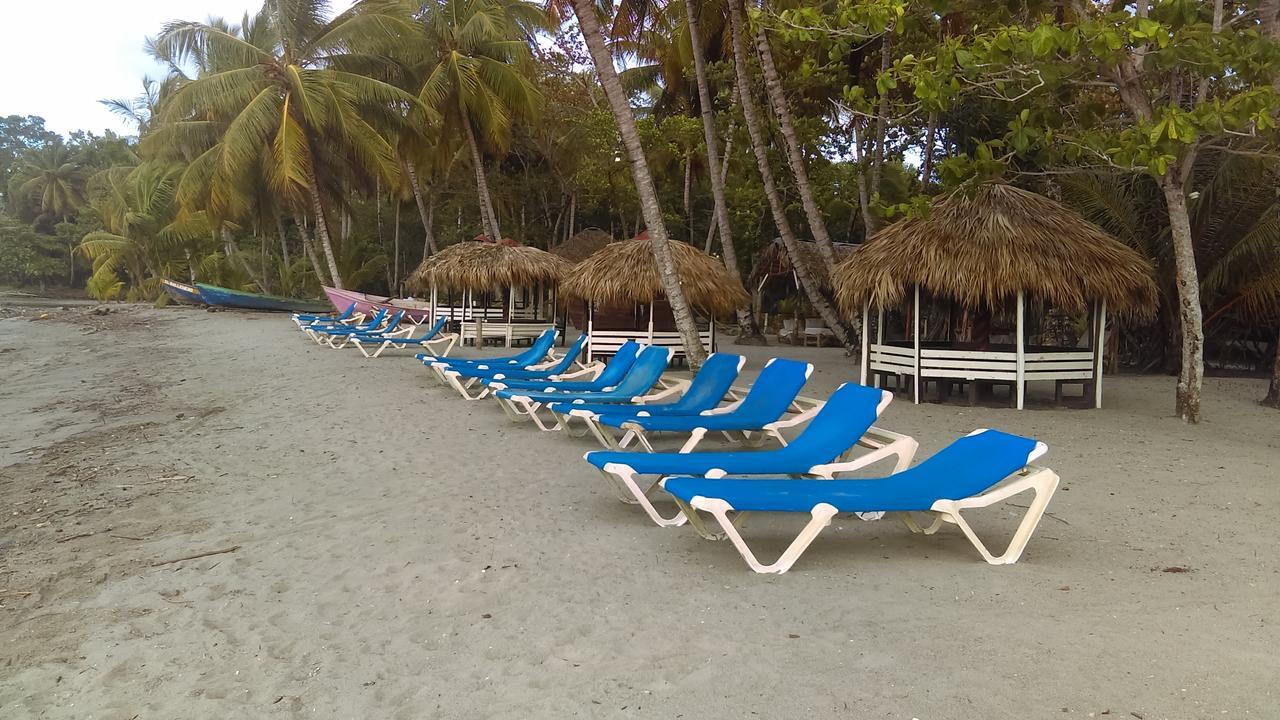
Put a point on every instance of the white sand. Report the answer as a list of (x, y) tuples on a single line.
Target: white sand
[(405, 554)]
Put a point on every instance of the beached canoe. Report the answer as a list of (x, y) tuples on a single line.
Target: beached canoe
[(182, 292), (226, 297), (416, 311)]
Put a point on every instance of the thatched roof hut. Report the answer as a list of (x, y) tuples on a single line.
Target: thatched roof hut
[(776, 261), (582, 245), (626, 272), (481, 266), (985, 245)]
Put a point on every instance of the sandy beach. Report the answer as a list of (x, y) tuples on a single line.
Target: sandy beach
[(384, 549)]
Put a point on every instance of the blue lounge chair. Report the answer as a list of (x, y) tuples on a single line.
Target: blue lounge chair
[(712, 384), (434, 336), (969, 473), (608, 378), (541, 350), (772, 394), (346, 316), (844, 421), (319, 332), (338, 338), (548, 371), (640, 378)]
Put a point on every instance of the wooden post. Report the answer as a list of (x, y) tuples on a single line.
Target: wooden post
[(1020, 389), (434, 309), (511, 312), (591, 340), (651, 324), (880, 341), (916, 312), (866, 341), (1100, 340)]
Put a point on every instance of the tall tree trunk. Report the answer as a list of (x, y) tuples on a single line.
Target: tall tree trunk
[(688, 194), (930, 136), (860, 172), (795, 158), (309, 249), (395, 245), (724, 174), (284, 239), (322, 230), (585, 10), (1190, 313), (748, 329), (1273, 390), (882, 123), (429, 244), (487, 214), (424, 212), (232, 251), (751, 116)]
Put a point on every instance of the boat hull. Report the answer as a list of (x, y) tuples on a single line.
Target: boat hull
[(182, 293), (226, 297), (370, 304)]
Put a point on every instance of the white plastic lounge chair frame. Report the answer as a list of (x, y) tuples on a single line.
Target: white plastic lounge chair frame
[(1040, 480), (466, 385), (448, 340), (520, 407), (802, 410)]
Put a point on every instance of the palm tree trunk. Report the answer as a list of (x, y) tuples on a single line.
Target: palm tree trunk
[(812, 213), (688, 193), (423, 211), (724, 173), (488, 217), (1190, 313), (930, 136), (748, 329), (751, 116), (882, 123), (284, 239), (1273, 389), (322, 230), (585, 10), (309, 249)]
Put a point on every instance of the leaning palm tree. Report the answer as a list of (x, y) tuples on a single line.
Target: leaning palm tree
[(295, 91), (755, 129), (478, 78), (589, 24)]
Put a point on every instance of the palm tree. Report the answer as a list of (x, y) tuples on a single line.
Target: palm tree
[(294, 95), (755, 130), (589, 24), (478, 82), (52, 181)]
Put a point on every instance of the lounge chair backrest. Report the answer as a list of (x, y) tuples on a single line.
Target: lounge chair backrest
[(539, 349), (395, 321), (647, 370), (850, 411), (351, 310), (619, 364), (570, 356), (376, 320), (436, 328), (967, 466), (712, 383), (775, 388)]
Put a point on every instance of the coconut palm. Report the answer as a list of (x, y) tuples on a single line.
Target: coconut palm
[(755, 130), (295, 95), (478, 78), (589, 24), (51, 181)]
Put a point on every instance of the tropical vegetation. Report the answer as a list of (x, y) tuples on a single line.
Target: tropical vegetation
[(296, 146)]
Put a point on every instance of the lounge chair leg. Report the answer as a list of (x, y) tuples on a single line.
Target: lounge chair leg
[(1042, 481), (605, 437), (719, 509), (695, 437), (537, 420), (464, 388), (623, 480)]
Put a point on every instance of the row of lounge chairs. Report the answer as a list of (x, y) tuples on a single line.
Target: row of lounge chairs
[(629, 402), (374, 335)]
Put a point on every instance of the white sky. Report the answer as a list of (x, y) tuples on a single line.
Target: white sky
[(58, 58)]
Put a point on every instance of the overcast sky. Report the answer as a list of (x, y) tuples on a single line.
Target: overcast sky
[(59, 57)]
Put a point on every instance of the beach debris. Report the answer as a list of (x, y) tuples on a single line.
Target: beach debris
[(486, 616), (101, 310), (197, 556), (1174, 569)]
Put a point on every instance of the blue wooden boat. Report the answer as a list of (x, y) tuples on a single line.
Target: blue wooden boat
[(226, 297), (182, 292)]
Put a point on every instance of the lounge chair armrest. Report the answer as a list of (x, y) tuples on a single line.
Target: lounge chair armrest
[(674, 388), (904, 448), (722, 409), (591, 369), (877, 437), (797, 419)]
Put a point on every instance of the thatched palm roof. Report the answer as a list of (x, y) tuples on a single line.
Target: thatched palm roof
[(626, 272), (484, 266), (775, 261), (983, 245), (582, 245)]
